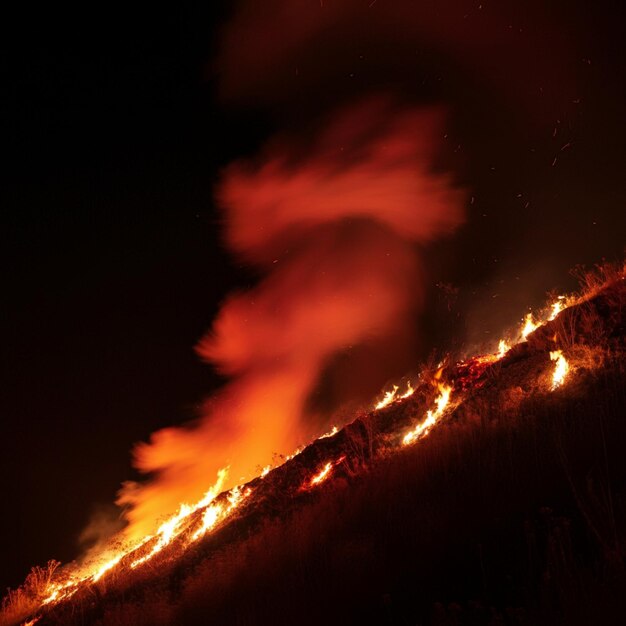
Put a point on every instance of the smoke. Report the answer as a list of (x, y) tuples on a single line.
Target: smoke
[(297, 54), (333, 226)]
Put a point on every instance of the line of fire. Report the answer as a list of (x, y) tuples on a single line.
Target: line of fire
[(555, 353)]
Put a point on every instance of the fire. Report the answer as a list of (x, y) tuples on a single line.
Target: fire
[(330, 433), (388, 398), (503, 348), (556, 307), (323, 474), (169, 530), (391, 396), (214, 511), (432, 417), (561, 368), (217, 512), (529, 326), (107, 566), (174, 525)]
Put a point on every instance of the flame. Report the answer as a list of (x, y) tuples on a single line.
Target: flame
[(109, 565), (556, 307), (171, 528), (330, 433), (217, 512), (213, 512), (323, 474), (503, 348), (529, 326), (409, 391), (388, 398), (561, 368), (422, 429), (391, 396)]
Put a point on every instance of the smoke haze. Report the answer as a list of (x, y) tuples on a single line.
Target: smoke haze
[(331, 215), (334, 235)]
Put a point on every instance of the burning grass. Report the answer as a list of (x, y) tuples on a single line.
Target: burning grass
[(511, 402)]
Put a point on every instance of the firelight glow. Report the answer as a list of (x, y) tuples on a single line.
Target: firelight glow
[(391, 396), (529, 326), (561, 368), (422, 429), (215, 512)]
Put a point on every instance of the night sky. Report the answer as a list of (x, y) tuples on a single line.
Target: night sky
[(115, 127)]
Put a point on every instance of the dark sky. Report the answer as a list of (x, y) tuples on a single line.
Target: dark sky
[(113, 267)]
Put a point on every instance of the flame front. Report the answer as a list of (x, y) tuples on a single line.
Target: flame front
[(215, 512), (391, 396), (323, 474), (424, 427), (529, 326), (169, 530)]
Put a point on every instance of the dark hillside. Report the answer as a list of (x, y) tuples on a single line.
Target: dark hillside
[(511, 511)]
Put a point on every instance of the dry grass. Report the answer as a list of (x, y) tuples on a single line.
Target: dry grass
[(513, 512), (18, 604)]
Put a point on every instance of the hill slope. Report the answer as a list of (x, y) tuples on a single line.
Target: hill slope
[(511, 511)]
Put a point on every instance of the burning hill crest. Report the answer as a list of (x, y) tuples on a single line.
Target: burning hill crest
[(572, 336)]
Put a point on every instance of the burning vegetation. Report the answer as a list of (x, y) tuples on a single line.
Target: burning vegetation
[(554, 351)]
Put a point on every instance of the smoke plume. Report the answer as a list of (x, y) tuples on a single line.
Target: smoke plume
[(333, 225), (334, 229)]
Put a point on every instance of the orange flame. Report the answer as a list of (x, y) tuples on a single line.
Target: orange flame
[(503, 348), (323, 474), (391, 396), (529, 326), (556, 307), (174, 525), (217, 512), (561, 368), (330, 433), (214, 513), (432, 417)]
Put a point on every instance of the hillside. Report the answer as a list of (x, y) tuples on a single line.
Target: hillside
[(508, 507)]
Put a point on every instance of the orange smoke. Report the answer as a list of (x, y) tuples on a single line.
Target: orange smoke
[(334, 232)]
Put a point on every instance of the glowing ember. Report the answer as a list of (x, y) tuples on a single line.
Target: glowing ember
[(431, 417), (560, 370), (529, 326)]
